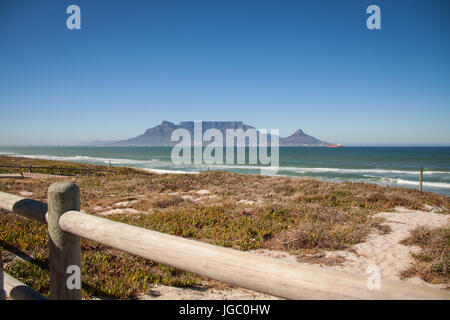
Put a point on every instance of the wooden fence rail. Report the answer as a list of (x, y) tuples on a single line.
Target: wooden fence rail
[(17, 290), (60, 169), (244, 269)]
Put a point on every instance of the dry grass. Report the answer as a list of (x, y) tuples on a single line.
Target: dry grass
[(432, 263), (289, 214)]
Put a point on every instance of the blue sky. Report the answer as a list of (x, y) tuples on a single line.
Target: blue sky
[(272, 64)]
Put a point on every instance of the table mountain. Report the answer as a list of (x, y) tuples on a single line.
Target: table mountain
[(160, 135)]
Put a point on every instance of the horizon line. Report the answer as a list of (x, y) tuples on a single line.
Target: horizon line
[(343, 144)]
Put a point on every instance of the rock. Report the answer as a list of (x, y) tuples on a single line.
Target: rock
[(247, 202), (119, 211), (124, 204), (26, 193)]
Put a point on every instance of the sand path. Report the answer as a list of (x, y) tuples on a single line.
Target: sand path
[(385, 251), (382, 250)]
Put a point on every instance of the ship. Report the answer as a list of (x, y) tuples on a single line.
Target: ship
[(335, 146)]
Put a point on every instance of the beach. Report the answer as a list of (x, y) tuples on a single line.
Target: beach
[(344, 226)]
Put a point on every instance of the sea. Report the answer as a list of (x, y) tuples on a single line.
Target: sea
[(394, 166)]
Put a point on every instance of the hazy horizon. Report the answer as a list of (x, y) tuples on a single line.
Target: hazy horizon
[(97, 142)]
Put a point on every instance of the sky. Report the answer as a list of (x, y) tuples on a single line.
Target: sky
[(303, 64)]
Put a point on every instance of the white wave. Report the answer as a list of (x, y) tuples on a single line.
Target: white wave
[(162, 171), (113, 160), (354, 171), (80, 158), (327, 170), (153, 164), (442, 185)]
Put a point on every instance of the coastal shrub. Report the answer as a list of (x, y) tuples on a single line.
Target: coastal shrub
[(432, 262)]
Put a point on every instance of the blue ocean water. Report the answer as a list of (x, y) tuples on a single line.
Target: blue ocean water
[(396, 166)]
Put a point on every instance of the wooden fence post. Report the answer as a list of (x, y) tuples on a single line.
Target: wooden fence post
[(421, 178), (2, 290), (64, 247)]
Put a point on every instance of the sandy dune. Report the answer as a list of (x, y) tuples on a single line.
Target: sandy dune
[(385, 251), (382, 250)]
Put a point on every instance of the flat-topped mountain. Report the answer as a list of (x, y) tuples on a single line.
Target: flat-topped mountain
[(160, 135)]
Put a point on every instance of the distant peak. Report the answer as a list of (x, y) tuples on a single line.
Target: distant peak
[(167, 123), (299, 131)]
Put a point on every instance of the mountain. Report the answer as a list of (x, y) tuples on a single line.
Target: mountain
[(299, 138), (160, 135), (156, 136)]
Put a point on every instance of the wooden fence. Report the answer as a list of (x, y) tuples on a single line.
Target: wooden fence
[(58, 169), (66, 224)]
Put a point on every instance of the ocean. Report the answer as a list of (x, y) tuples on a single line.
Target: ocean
[(395, 166)]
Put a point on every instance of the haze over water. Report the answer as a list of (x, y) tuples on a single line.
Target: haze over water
[(395, 166)]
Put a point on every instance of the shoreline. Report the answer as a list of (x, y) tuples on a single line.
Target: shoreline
[(381, 176)]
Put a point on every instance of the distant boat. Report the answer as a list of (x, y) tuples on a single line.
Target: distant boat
[(335, 146)]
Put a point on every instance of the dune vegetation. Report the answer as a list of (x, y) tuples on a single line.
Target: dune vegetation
[(244, 212)]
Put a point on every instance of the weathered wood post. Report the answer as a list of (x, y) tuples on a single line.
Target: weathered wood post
[(421, 178), (2, 290), (64, 247), (31, 169)]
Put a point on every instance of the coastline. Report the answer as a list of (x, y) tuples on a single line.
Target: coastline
[(384, 166)]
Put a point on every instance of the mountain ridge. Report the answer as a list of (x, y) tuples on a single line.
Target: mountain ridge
[(160, 135)]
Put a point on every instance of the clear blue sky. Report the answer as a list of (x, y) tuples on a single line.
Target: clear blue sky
[(272, 64)]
